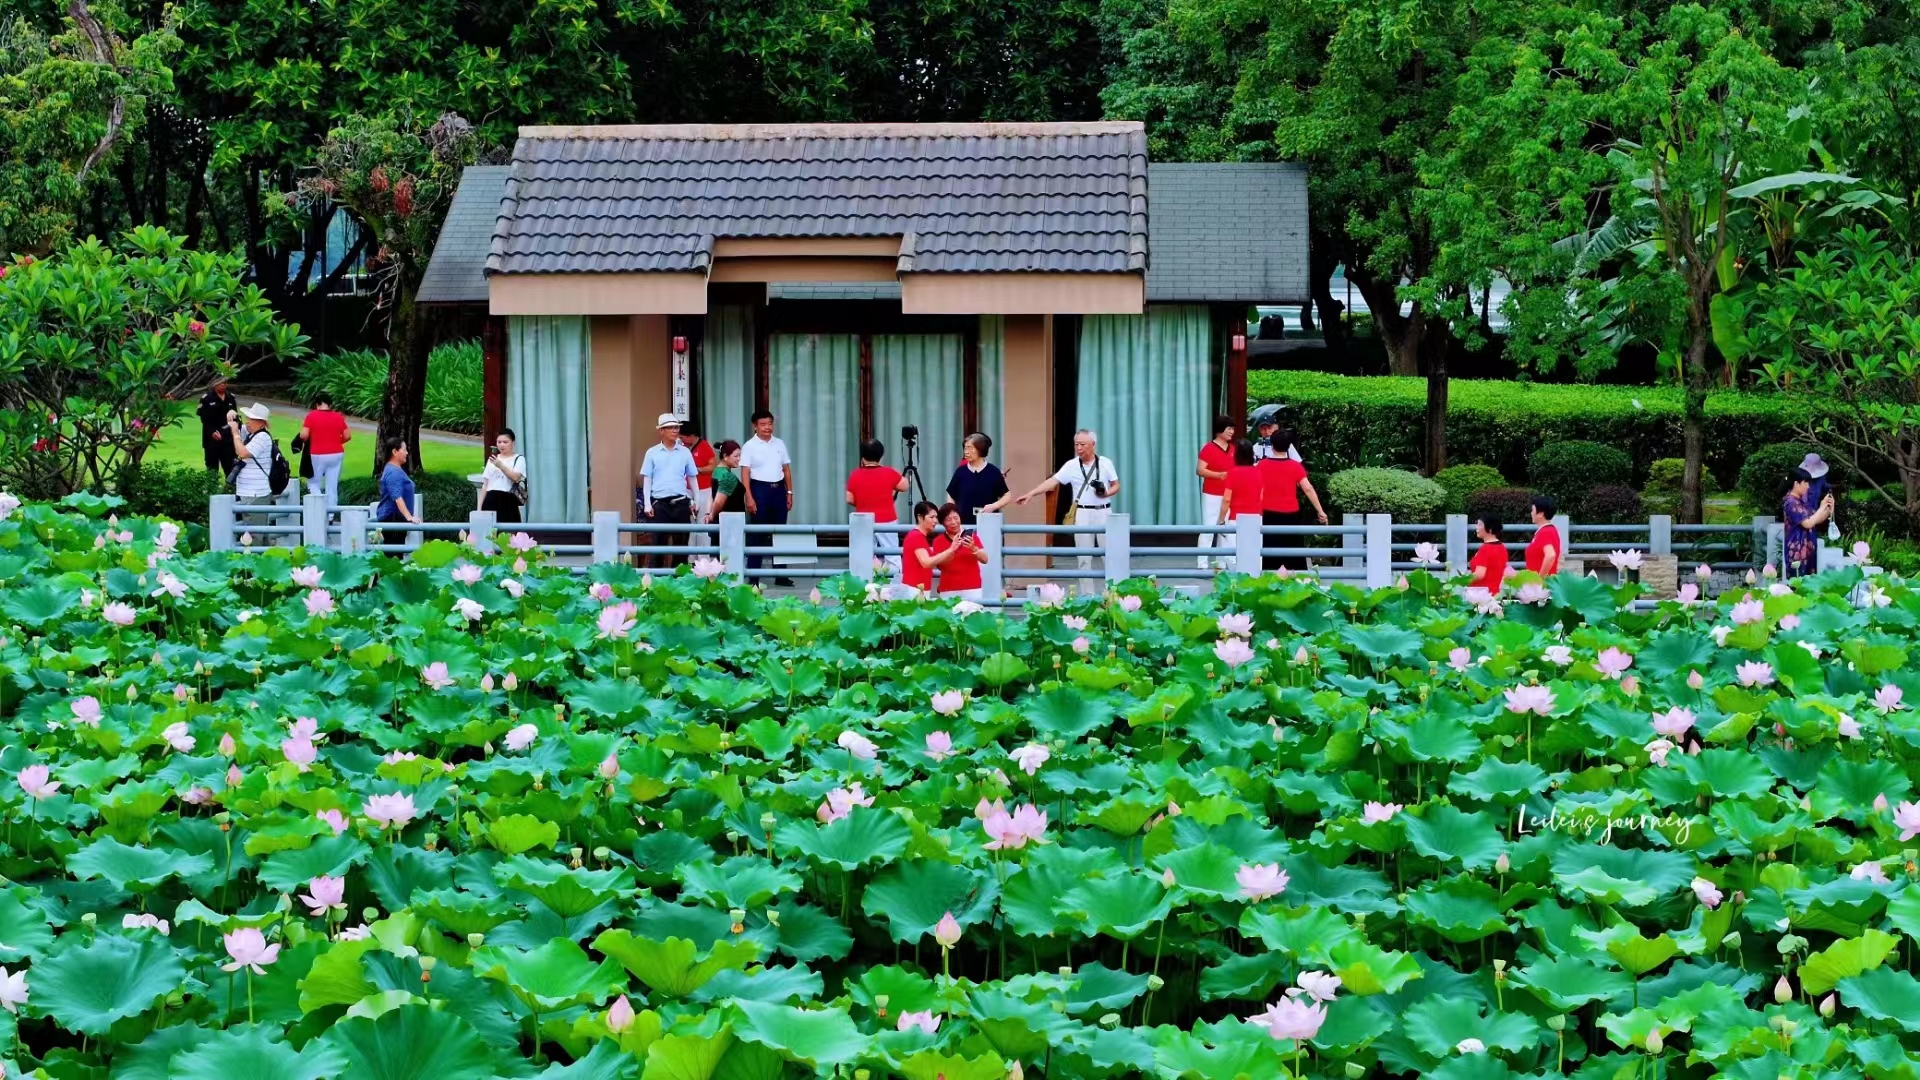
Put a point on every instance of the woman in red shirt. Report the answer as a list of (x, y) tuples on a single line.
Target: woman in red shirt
[(960, 547), (916, 554), (1488, 567), (871, 489), (1283, 480), (324, 433), (1243, 494), (1545, 552)]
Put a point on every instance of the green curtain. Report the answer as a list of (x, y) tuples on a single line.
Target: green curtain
[(814, 386), (993, 374), (917, 379), (1143, 388), (726, 373), (547, 407)]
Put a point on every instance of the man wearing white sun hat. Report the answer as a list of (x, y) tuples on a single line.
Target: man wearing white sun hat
[(667, 479)]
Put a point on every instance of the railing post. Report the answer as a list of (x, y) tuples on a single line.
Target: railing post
[(1379, 551), (1457, 544), (1246, 544), (1350, 562), (606, 536), (1565, 525), (353, 530), (1660, 534), (220, 523), (313, 521), (860, 546), (415, 539), (993, 585), (480, 528), (733, 542), (1117, 542), (1762, 542)]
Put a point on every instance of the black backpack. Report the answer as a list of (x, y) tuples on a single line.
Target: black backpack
[(279, 473)]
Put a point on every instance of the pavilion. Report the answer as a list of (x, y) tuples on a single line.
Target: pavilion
[(1018, 279)]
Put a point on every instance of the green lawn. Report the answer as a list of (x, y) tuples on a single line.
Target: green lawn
[(180, 445)]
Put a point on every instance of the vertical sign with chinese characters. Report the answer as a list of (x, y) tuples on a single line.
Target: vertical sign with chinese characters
[(682, 379)]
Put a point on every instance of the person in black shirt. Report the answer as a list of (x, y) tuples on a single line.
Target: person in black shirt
[(978, 485), (216, 406)]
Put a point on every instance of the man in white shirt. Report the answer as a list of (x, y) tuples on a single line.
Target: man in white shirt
[(769, 474), (253, 449), (667, 477), (1092, 483)]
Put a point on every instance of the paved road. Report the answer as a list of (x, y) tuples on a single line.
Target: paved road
[(362, 426)]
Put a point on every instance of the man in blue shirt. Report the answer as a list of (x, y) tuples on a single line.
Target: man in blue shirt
[(667, 479)]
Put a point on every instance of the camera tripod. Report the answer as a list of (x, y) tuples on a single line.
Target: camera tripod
[(911, 470)]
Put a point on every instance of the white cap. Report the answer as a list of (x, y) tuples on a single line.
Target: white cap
[(667, 420), (256, 411)]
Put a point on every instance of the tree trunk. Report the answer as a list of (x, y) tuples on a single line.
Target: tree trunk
[(1399, 334), (1333, 328), (1437, 352), (1694, 426), (404, 402)]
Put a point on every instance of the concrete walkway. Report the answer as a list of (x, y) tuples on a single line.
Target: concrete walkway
[(357, 424)]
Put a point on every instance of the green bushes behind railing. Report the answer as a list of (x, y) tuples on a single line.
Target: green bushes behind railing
[(357, 379)]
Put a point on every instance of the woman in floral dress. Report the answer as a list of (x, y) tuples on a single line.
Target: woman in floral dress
[(1803, 516)]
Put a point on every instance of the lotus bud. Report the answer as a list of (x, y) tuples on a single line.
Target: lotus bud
[(1154, 983), (227, 746), (486, 748), (1557, 1022), (1655, 1043), (474, 941), (486, 682), (1110, 1021), (1166, 877), (510, 683), (369, 914), (1502, 864), (1827, 1005), (131, 692), (1015, 1072), (1783, 991)]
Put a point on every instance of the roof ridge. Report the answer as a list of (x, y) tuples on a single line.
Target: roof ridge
[(834, 131)]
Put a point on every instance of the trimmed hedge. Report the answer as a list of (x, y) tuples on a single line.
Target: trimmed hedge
[(1461, 481), (1662, 492), (180, 492), (1763, 479), (1407, 496), (447, 497), (1611, 504), (1569, 470), (1508, 505), (1346, 422)]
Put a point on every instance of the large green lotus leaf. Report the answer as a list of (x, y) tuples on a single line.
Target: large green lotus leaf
[(1504, 783), (1015, 1027), (1616, 875), (821, 1038), (330, 856), (1097, 986), (1672, 651), (414, 1042), (151, 1057), (568, 892), (1904, 912), (1458, 908), (517, 834), (1433, 737), (136, 868), (1437, 1025), (23, 929), (1383, 642), (1065, 713), (254, 1053), (1845, 959), (111, 978), (905, 990), (1031, 898), (1472, 841), (745, 881), (1121, 905), (1239, 976), (394, 871), (695, 1056), (674, 966), (1725, 774), (1344, 888), (1849, 787), (1841, 906), (912, 896), (1568, 982), (338, 976), (1181, 1055), (808, 933), (1638, 954), (37, 605), (553, 976), (779, 985), (864, 836), (1366, 969), (1306, 934), (1594, 601), (605, 1061), (1208, 869), (1884, 994), (933, 1065)]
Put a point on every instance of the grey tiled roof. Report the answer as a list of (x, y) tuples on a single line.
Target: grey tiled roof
[(964, 197), (457, 272), (1228, 232)]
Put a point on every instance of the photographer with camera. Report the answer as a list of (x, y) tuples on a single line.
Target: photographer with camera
[(1092, 482)]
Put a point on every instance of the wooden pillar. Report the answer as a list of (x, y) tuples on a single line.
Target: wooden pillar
[(493, 376), (632, 384), (1027, 423)]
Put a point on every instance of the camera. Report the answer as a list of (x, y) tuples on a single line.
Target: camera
[(1100, 488), (910, 433)]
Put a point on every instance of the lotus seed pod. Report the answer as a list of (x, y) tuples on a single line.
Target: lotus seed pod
[(1731, 941), (1783, 991), (369, 913), (427, 963), (1155, 982), (1355, 1070), (89, 918), (474, 941), (601, 854), (766, 821), (1066, 972), (1110, 1021), (1655, 1043), (1557, 1022)]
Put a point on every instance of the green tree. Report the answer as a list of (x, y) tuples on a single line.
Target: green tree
[(100, 350)]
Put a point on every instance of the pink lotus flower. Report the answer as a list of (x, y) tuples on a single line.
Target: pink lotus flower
[(1376, 812), (521, 542), (1708, 893), (249, 949), (1870, 871), (609, 767), (620, 1014), (1754, 673), (1258, 881), (1470, 1046), (1073, 622), (394, 810), (1658, 750), (948, 702), (467, 574), (1460, 658), (1748, 610), (706, 567), (1128, 604), (177, 737), (1321, 986), (144, 921), (1689, 594), (435, 675), (34, 780), (858, 745), (1887, 698), (1862, 551), (1030, 757), (601, 591), (984, 809), (354, 933), (1613, 663), (1301, 656), (1016, 830), (947, 931), (1049, 595), (1291, 1018), (1906, 818), (964, 607), (1530, 699), (1625, 560), (469, 609), (307, 577), (86, 710), (1720, 635), (181, 693), (616, 621), (923, 1021), (118, 614), (939, 745), (513, 587), (395, 757), (301, 752), (1674, 722), (1532, 593), (334, 820), (13, 990), (169, 586), (521, 737), (305, 727), (1695, 680), (1233, 651), (1426, 553), (197, 796), (1789, 622), (233, 776), (1081, 645), (1558, 655), (319, 603), (325, 893), (1849, 727), (1236, 625)]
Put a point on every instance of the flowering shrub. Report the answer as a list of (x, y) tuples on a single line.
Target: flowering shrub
[(281, 815)]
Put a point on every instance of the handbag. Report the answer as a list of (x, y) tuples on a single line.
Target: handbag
[(518, 489)]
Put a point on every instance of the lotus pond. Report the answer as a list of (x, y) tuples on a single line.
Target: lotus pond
[(277, 817)]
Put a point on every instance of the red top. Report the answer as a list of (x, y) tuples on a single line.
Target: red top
[(872, 488), (1493, 556), (1546, 536), (1281, 479), (911, 572), (961, 572), (703, 456), (1246, 484), (326, 432), (1219, 459)]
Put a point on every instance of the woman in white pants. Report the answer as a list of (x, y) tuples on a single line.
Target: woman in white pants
[(325, 434), (1216, 458)]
